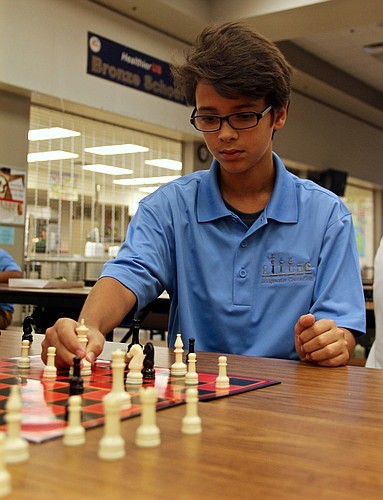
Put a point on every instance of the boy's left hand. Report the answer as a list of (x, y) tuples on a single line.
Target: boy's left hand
[(322, 342)]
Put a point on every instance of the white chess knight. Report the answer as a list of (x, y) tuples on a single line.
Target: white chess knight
[(136, 364)]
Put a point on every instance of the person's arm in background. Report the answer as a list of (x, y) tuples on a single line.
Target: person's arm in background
[(105, 307), (6, 275)]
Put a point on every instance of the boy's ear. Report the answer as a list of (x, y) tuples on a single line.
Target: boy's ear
[(280, 116)]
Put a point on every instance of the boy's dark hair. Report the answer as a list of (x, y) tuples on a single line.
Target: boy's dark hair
[(237, 62)]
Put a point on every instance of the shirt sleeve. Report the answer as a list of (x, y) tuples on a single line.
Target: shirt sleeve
[(338, 292)]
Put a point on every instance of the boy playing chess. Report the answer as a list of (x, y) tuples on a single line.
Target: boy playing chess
[(256, 260)]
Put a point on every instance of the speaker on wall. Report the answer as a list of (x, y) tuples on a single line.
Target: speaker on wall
[(333, 180)]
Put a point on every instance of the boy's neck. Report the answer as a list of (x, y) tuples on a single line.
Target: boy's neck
[(247, 193)]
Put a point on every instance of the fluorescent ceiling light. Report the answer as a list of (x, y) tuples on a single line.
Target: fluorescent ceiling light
[(165, 163), (148, 189), (142, 181), (42, 134), (116, 149), (107, 169), (50, 155)]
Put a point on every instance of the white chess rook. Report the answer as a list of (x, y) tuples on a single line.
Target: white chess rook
[(74, 433), (148, 433), (191, 422), (178, 368)]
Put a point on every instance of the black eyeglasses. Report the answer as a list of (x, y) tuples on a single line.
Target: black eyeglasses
[(237, 121)]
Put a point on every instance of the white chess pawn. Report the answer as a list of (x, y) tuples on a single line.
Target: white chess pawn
[(82, 334), (112, 444), (178, 368), (148, 433), (74, 433), (5, 477), (191, 422), (24, 361), (222, 381), (191, 378), (16, 447), (50, 370)]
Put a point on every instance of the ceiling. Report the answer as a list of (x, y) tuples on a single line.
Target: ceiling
[(324, 40)]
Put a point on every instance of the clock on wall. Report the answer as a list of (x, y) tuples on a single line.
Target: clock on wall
[(203, 153)]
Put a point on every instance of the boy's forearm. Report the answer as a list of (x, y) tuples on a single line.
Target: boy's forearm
[(107, 304)]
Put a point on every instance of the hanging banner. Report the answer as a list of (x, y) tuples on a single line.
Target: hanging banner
[(12, 195), (126, 66)]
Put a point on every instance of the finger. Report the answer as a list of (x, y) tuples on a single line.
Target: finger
[(303, 323), (96, 342), (63, 337)]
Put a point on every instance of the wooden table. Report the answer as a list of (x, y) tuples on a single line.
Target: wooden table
[(318, 435)]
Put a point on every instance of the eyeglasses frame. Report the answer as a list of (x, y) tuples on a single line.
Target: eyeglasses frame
[(227, 117)]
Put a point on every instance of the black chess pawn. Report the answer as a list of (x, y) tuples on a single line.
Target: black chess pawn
[(148, 371), (191, 348), (135, 334), (28, 328)]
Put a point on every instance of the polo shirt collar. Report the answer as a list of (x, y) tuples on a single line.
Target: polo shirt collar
[(282, 205)]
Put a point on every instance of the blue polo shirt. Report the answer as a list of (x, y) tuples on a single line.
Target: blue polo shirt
[(237, 289), (7, 263)]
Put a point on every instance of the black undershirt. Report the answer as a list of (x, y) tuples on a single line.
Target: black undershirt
[(248, 219)]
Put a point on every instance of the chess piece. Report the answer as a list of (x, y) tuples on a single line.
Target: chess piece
[(118, 369), (16, 447), (76, 383), (191, 422), (112, 444), (148, 433), (50, 370), (82, 334), (191, 348), (24, 361), (191, 377), (148, 372), (222, 381), (136, 364), (135, 334), (74, 433), (178, 368), (28, 328), (5, 477)]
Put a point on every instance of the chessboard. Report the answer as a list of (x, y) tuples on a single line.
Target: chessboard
[(45, 400)]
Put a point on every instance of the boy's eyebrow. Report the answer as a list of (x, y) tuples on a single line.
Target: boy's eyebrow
[(238, 107)]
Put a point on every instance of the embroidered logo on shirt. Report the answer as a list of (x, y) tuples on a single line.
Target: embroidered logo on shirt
[(280, 270)]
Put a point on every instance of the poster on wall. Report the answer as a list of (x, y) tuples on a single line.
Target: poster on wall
[(12, 195), (62, 186)]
